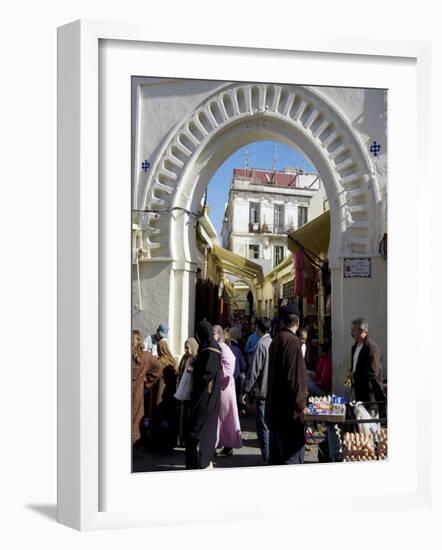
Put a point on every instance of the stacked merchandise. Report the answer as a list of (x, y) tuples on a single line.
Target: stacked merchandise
[(365, 446), (328, 405)]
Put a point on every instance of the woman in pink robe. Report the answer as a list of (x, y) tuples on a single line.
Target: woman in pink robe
[(229, 428)]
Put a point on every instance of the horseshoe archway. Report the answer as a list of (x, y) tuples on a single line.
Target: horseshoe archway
[(228, 118)]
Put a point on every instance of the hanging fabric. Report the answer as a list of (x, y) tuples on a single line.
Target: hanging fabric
[(299, 273)]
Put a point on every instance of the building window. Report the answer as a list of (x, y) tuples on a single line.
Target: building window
[(278, 255), (302, 215), (278, 218), (254, 212), (254, 215), (254, 251), (288, 290)]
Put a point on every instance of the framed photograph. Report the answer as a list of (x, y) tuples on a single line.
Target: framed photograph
[(222, 207)]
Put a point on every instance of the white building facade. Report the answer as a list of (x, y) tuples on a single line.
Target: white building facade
[(263, 206)]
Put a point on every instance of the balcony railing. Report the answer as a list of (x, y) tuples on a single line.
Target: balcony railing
[(270, 228)]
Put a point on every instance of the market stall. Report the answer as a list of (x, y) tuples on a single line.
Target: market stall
[(346, 432)]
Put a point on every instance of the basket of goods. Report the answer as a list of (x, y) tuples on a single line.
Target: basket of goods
[(364, 447), (382, 444)]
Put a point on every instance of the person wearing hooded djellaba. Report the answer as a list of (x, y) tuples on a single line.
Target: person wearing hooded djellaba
[(164, 414), (205, 400), (146, 371), (229, 427)]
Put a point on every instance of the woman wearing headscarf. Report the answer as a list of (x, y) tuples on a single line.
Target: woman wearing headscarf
[(164, 414), (205, 400), (229, 428), (146, 371), (184, 389)]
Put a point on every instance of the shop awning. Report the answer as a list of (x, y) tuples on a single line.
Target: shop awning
[(231, 292), (314, 236), (237, 265)]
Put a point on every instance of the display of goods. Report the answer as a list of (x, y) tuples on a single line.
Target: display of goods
[(363, 447), (327, 404)]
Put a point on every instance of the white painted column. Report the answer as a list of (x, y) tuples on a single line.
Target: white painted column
[(181, 305), (321, 313), (339, 353)]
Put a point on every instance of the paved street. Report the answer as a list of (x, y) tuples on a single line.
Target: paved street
[(248, 455)]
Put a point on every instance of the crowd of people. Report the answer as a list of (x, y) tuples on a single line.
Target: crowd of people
[(197, 403)]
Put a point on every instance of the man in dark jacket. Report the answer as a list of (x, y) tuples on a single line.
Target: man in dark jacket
[(256, 380), (205, 400), (366, 361), (286, 392)]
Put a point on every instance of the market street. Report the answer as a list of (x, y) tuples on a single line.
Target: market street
[(248, 455)]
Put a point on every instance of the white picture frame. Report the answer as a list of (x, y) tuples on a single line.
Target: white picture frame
[(81, 296)]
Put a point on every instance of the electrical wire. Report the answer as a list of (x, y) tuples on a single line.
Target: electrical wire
[(168, 210)]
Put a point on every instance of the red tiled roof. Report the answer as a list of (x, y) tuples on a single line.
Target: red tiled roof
[(268, 177)]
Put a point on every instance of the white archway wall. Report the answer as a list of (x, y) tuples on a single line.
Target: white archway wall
[(155, 295), (301, 117), (303, 110)]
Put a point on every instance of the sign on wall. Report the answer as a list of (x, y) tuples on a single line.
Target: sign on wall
[(357, 267)]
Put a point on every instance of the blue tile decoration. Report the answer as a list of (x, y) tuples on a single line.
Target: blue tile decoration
[(375, 148)]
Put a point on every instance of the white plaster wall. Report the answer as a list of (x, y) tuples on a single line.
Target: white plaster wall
[(240, 215), (162, 104), (239, 245), (366, 111), (155, 288), (316, 207)]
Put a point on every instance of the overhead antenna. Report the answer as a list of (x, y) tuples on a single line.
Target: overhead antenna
[(274, 157), (245, 155), (253, 155)]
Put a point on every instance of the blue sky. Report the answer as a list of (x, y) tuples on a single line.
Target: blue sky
[(260, 155)]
